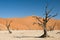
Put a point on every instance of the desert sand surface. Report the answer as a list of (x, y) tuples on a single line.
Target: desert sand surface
[(23, 29), (26, 23), (29, 35)]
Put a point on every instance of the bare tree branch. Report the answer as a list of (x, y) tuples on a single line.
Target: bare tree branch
[(38, 18), (49, 11), (54, 15), (46, 8), (51, 16)]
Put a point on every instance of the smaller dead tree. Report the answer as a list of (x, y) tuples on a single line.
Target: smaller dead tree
[(8, 25)]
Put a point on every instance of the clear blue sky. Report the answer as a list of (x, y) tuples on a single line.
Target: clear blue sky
[(22, 8)]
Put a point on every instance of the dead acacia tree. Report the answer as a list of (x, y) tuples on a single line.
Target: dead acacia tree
[(43, 23), (8, 25)]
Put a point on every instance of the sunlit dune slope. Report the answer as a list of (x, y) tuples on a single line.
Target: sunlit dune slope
[(27, 23)]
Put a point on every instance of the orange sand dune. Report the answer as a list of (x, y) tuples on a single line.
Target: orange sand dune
[(26, 23)]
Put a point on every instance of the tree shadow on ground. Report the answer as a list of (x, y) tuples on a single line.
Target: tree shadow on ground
[(32, 37)]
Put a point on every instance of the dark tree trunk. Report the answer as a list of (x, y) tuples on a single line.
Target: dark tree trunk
[(45, 34), (45, 31), (9, 30)]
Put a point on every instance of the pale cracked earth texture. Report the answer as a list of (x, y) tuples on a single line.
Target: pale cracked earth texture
[(29, 35)]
